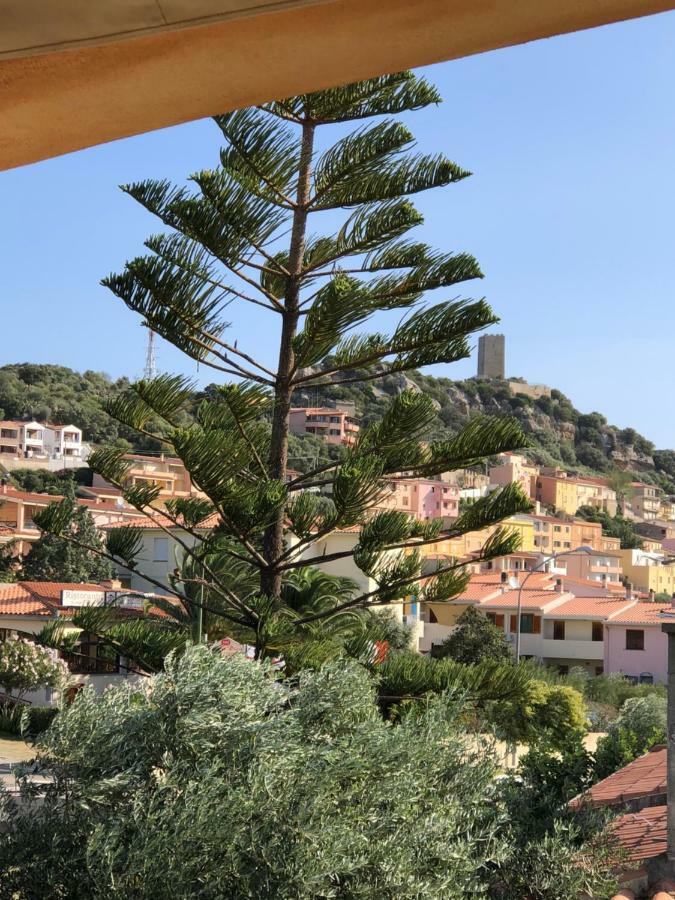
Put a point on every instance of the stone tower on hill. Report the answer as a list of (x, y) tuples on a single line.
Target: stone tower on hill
[(491, 356)]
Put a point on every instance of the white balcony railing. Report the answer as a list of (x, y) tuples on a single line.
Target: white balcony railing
[(571, 649)]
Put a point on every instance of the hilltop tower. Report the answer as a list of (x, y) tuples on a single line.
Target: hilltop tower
[(491, 356)]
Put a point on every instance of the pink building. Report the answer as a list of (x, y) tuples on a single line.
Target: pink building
[(514, 468), (335, 425), (423, 498), (635, 646)]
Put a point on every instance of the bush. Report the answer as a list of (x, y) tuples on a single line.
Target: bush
[(216, 780), (35, 720), (474, 639), (640, 725)]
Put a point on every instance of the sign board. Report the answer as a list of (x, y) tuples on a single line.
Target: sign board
[(123, 600), (82, 598)]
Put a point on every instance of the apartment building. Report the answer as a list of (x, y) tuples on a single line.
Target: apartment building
[(17, 509), (556, 535), (648, 571), (666, 509), (166, 472), (337, 425), (566, 493), (514, 468), (598, 565), (422, 498), (645, 501), (40, 440)]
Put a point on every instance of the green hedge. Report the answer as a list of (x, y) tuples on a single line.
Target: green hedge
[(36, 719)]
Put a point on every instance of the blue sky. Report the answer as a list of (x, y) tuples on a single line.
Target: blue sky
[(570, 213)]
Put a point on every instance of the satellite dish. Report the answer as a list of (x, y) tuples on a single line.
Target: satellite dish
[(513, 582)]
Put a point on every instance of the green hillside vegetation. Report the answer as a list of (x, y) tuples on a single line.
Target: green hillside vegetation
[(558, 432)]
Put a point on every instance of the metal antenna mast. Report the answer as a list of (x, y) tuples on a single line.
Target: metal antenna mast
[(150, 370)]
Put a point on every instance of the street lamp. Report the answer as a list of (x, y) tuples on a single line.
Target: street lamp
[(584, 548)]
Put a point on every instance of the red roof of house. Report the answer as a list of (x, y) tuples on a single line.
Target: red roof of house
[(43, 598), (643, 834), (159, 521), (592, 607), (644, 777), (37, 598), (30, 496), (643, 613), (529, 600)]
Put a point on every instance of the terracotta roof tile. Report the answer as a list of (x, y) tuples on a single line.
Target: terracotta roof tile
[(643, 613), (146, 523), (644, 777), (642, 834), (529, 600), (592, 607)]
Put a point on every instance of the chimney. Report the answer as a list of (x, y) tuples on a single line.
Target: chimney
[(652, 595), (504, 577), (629, 591), (111, 584), (3, 485), (558, 586)]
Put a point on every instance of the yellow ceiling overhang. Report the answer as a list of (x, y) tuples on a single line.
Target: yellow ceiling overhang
[(75, 73)]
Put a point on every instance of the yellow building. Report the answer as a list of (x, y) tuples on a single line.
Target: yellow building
[(467, 544), (566, 493), (646, 571)]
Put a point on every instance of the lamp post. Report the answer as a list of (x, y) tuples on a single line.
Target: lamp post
[(584, 548)]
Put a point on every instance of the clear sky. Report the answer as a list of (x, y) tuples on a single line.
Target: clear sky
[(570, 213)]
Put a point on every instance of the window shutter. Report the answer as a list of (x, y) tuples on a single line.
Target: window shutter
[(536, 624), (514, 624), (500, 621)]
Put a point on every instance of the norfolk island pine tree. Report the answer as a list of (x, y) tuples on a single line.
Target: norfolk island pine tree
[(242, 235)]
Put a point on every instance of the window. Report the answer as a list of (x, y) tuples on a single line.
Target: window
[(527, 623), (563, 670), (558, 631), (556, 543), (161, 549), (646, 678), (599, 670), (557, 528), (596, 631), (635, 639)]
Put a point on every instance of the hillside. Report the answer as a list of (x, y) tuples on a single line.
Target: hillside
[(559, 433)]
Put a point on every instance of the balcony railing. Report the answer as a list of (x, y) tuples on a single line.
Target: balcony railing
[(90, 665)]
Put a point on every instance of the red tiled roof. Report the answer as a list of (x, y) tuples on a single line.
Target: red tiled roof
[(12, 494), (113, 491), (529, 600), (15, 600), (643, 613), (157, 521), (37, 598), (642, 834), (644, 777), (475, 591), (592, 607), (535, 581)]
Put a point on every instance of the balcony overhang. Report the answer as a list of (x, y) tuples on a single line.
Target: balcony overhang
[(76, 73)]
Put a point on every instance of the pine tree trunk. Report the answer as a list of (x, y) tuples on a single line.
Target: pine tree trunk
[(278, 458)]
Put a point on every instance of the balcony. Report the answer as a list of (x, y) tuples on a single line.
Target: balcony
[(551, 649)]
